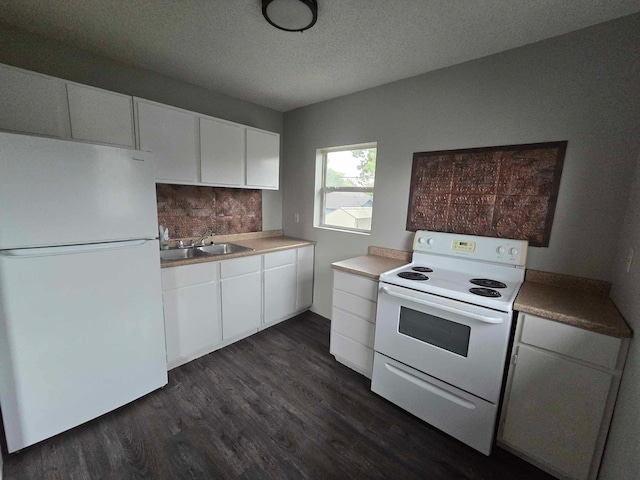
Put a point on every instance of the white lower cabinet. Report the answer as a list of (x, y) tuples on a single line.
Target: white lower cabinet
[(561, 389), (210, 305), (279, 286), (191, 298), (241, 297), (288, 284), (304, 277), (353, 320)]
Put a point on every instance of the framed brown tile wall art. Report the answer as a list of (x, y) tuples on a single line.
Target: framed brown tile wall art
[(508, 191)]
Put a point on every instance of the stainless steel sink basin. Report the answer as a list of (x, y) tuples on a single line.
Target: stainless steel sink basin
[(181, 254), (223, 249), (202, 252)]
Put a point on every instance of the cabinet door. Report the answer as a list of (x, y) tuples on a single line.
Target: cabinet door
[(554, 411), (241, 304), (222, 152), (33, 103), (263, 159), (304, 277), (279, 293), (100, 116), (191, 320), (171, 135)]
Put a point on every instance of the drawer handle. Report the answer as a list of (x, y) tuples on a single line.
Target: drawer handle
[(430, 387)]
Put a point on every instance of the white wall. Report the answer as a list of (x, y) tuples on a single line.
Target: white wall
[(583, 87), (31, 52), (622, 455)]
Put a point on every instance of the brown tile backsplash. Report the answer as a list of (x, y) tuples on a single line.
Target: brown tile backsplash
[(189, 211), (507, 192)]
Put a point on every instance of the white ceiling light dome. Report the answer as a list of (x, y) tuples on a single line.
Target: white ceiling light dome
[(291, 15)]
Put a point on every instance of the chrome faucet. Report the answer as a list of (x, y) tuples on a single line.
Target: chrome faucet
[(201, 239)]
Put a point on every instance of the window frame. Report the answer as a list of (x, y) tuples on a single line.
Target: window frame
[(324, 189)]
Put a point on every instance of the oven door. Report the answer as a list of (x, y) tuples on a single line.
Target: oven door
[(461, 344)]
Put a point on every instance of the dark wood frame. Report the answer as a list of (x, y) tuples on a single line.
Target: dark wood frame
[(561, 146)]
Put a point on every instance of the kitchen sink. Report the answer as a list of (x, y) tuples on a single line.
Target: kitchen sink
[(223, 249), (202, 252), (181, 254)]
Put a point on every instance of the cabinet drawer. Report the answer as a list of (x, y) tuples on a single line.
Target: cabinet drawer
[(176, 277), (355, 305), (277, 259), (353, 352), (305, 253), (571, 341), (240, 266), (357, 285), (353, 327)]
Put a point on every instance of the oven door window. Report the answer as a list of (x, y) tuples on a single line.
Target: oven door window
[(437, 331)]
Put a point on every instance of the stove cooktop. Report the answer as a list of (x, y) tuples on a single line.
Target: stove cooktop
[(479, 283)]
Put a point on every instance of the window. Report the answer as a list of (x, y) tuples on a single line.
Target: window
[(345, 194)]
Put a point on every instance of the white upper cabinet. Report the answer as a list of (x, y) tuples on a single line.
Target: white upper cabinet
[(100, 116), (190, 148), (237, 156), (222, 152), (33, 103), (263, 159), (169, 133)]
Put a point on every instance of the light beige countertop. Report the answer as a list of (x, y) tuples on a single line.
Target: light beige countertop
[(261, 242), (378, 261), (579, 302)]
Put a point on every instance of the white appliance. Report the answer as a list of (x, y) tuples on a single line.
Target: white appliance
[(443, 327), (81, 323)]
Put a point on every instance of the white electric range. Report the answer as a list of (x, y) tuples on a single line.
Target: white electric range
[(443, 328)]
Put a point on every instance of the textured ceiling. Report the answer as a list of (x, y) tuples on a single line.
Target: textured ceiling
[(226, 45)]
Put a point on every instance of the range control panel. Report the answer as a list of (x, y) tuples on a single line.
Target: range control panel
[(489, 249)]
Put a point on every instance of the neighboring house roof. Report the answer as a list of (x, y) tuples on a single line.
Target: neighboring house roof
[(346, 199), (358, 212)]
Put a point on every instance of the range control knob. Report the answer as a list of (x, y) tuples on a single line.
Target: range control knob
[(513, 251), (430, 241), (422, 240), (501, 250)]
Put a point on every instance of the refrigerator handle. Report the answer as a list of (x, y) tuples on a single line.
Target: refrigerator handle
[(72, 249)]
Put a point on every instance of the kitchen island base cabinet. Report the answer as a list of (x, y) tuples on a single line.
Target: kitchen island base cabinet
[(561, 389), (353, 319)]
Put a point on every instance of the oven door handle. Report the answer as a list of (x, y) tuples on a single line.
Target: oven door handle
[(482, 318)]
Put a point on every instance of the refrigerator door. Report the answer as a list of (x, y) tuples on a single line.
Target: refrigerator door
[(57, 192), (81, 333)]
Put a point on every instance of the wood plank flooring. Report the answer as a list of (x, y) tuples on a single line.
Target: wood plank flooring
[(273, 406)]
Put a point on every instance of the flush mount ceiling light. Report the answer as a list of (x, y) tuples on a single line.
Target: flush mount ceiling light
[(291, 15)]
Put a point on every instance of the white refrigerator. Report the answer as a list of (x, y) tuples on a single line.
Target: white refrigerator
[(81, 322)]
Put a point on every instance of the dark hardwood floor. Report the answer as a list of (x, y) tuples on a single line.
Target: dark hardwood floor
[(273, 406)]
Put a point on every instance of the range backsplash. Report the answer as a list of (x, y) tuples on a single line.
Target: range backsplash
[(189, 211)]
